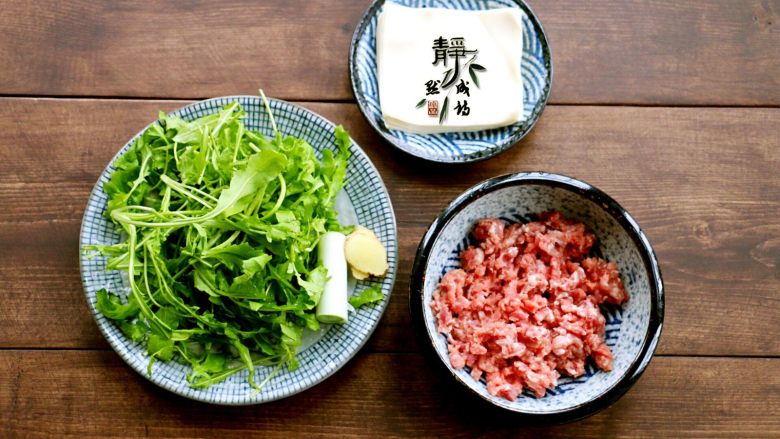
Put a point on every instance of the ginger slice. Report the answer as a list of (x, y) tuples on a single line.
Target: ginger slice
[(359, 275), (365, 253)]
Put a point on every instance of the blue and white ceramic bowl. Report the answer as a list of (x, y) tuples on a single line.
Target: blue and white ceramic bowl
[(363, 201), (632, 330), (458, 147)]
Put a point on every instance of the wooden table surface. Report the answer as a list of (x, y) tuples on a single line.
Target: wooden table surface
[(672, 107)]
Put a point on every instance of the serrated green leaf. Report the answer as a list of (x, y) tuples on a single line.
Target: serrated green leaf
[(262, 167), (110, 306), (367, 296), (135, 331), (159, 347)]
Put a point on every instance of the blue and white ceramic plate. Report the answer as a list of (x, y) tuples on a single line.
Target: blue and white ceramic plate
[(632, 330), (364, 201), (458, 147)]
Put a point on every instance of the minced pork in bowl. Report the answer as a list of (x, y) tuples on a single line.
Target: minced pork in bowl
[(600, 320)]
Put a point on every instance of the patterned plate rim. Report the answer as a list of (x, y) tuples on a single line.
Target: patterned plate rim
[(476, 156), (389, 279)]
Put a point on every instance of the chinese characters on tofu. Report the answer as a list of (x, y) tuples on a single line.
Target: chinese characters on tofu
[(460, 59)]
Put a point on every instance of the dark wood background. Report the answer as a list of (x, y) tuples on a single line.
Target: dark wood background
[(671, 107)]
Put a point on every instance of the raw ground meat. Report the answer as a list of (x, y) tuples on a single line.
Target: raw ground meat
[(524, 306)]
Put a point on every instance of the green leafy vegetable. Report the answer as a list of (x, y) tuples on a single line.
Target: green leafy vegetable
[(110, 306), (221, 224), (372, 294)]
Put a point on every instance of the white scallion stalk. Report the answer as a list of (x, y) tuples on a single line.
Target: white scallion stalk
[(333, 303)]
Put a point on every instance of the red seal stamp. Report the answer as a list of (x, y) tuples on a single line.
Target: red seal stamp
[(433, 108)]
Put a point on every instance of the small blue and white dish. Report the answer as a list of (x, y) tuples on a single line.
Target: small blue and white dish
[(364, 200), (632, 330), (456, 147)]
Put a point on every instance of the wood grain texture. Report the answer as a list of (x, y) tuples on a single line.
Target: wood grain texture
[(703, 183), (665, 52), (165, 49), (711, 52), (92, 393)]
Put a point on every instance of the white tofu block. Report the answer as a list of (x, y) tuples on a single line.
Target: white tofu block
[(405, 61)]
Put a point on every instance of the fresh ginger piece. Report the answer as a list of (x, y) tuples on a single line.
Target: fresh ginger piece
[(359, 275), (363, 231), (365, 253)]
